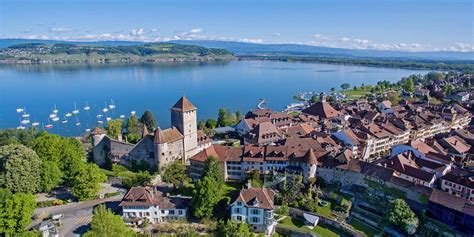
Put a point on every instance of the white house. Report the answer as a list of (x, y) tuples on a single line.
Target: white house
[(145, 202), (255, 207)]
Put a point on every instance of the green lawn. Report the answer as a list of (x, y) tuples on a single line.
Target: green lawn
[(320, 229), (359, 225), (325, 211)]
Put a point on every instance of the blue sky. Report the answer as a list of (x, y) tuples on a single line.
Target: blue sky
[(370, 24)]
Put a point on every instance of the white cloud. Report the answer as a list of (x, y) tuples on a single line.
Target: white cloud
[(195, 31), (60, 30), (255, 41), (137, 32)]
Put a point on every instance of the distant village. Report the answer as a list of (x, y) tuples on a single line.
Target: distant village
[(357, 155)]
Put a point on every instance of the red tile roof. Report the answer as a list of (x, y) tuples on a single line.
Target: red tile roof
[(184, 105)]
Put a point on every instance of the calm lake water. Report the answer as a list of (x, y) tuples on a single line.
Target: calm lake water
[(210, 86)]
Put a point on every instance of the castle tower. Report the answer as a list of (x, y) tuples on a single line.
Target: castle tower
[(184, 118)]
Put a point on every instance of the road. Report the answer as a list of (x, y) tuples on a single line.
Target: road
[(77, 216)]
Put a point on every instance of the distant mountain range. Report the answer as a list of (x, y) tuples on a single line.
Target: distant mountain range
[(240, 48)]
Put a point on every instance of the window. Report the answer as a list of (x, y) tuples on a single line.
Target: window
[(255, 219), (180, 212), (255, 211), (237, 210), (239, 218), (239, 203), (171, 212), (162, 211)]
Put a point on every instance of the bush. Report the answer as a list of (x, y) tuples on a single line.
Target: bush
[(58, 202), (283, 210)]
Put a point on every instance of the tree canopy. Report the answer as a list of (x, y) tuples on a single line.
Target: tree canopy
[(18, 136), (175, 173), (149, 120), (114, 128), (87, 182), (107, 224), (231, 228), (208, 191), (402, 216), (20, 169), (15, 212), (345, 86), (409, 85)]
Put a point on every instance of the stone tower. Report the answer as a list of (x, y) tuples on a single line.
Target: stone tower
[(184, 118)]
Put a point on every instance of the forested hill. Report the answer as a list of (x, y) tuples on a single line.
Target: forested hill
[(77, 53)]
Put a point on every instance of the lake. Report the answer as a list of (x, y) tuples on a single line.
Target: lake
[(210, 86)]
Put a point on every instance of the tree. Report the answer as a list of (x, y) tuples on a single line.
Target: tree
[(255, 179), (18, 136), (211, 123), (283, 210), (345, 86), (133, 125), (51, 176), (175, 173), (114, 128), (201, 125), (73, 158), (409, 85), (20, 169), (15, 212), (87, 182), (238, 116), (231, 228), (149, 120), (222, 118), (401, 215), (394, 98), (139, 179), (208, 191), (105, 223), (435, 76), (314, 99)]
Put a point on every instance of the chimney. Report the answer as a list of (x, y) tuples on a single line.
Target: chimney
[(322, 97)]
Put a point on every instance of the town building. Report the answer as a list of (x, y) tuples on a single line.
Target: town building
[(255, 206), (147, 202)]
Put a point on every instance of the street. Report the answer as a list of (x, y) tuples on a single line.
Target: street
[(77, 216)]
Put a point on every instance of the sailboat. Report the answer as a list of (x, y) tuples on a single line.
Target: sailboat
[(25, 115), (55, 119), (122, 116), (77, 121), (19, 110), (108, 119), (48, 126), (99, 116), (35, 124), (112, 104), (88, 130), (55, 110), (133, 112), (21, 127), (68, 115), (75, 111), (64, 120), (87, 107), (25, 121), (100, 121)]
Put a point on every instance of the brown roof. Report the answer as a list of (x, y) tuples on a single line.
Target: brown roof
[(368, 169), (457, 144), (257, 197), (422, 147), (167, 135), (461, 176), (452, 202), (98, 130), (184, 105), (322, 109), (310, 157), (146, 196), (223, 153)]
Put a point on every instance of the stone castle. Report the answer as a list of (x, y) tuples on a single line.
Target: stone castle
[(157, 149)]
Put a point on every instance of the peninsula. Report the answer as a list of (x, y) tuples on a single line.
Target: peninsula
[(61, 53)]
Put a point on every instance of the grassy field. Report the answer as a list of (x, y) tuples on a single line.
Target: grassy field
[(320, 229), (359, 225), (356, 94)]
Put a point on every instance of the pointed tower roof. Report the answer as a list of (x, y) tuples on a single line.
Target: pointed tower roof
[(159, 136), (310, 157), (145, 131), (184, 105)]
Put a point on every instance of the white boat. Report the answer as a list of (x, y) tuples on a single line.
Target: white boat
[(133, 112), (99, 116), (55, 119), (55, 110), (19, 110), (53, 116), (108, 119), (78, 124), (20, 127), (75, 111), (105, 110), (100, 121), (68, 115), (25, 121), (25, 115), (64, 121), (112, 104), (88, 130), (35, 124), (122, 116), (87, 107)]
